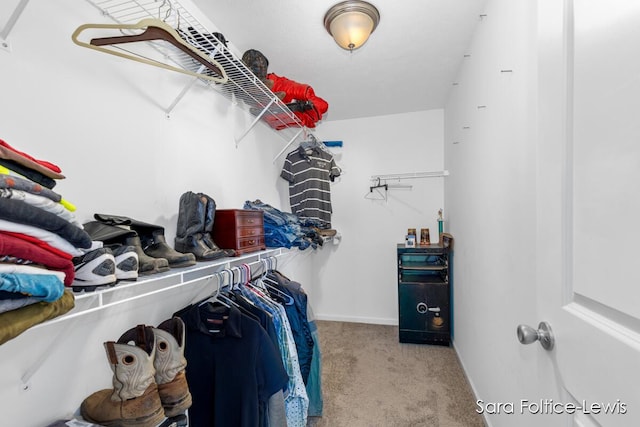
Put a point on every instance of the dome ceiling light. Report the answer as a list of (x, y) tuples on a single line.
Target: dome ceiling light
[(351, 23)]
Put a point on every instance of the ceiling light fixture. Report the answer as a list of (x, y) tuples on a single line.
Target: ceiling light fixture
[(351, 23)]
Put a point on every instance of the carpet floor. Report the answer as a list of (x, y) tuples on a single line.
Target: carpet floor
[(370, 379)]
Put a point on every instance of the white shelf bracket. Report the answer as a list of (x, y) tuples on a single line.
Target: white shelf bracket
[(288, 144), (256, 120), (4, 34), (182, 93)]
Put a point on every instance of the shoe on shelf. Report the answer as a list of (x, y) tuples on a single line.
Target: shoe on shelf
[(146, 264), (155, 245), (95, 269), (126, 259)]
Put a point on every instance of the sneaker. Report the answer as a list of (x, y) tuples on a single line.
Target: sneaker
[(94, 269), (126, 259)]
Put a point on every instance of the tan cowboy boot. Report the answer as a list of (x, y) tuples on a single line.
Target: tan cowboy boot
[(134, 399), (170, 366)]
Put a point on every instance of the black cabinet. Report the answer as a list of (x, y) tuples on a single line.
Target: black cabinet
[(424, 294)]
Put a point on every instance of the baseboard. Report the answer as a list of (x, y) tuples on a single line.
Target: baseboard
[(487, 423), (354, 319)]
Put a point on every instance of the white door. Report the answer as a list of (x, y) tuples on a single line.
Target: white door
[(589, 205)]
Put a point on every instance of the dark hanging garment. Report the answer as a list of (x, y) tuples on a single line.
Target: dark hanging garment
[(297, 315), (232, 367)]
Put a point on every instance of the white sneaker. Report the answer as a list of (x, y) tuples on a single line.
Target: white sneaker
[(126, 259), (94, 269)]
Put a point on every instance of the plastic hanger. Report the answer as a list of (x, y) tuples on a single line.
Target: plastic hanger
[(283, 297), (154, 30), (377, 194), (216, 297)]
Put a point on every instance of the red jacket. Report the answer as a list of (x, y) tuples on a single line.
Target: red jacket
[(295, 91)]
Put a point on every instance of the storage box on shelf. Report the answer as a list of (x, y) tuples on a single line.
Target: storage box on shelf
[(239, 229)]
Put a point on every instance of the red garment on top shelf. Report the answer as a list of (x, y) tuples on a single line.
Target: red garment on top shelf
[(295, 91)]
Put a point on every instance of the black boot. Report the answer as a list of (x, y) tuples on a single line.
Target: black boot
[(190, 233), (155, 245), (147, 264)]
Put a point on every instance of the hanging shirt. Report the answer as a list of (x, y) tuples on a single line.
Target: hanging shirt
[(232, 367), (296, 399), (310, 174)]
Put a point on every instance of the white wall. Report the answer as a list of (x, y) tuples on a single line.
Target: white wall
[(102, 120), (490, 138), (357, 280)]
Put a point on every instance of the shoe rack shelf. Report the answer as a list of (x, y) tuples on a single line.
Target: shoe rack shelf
[(243, 88), (146, 286)]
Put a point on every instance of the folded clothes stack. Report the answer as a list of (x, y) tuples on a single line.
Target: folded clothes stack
[(39, 238)]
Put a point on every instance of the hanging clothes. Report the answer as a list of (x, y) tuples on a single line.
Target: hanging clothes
[(296, 399), (307, 340), (310, 173), (296, 311), (233, 368)]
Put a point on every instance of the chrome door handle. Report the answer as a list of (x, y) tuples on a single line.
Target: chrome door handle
[(528, 335)]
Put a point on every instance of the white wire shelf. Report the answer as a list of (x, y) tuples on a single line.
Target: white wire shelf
[(242, 87)]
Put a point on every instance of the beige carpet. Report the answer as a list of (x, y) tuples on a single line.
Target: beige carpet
[(369, 379)]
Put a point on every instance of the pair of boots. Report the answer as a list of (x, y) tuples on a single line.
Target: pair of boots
[(154, 253), (196, 215), (149, 382)]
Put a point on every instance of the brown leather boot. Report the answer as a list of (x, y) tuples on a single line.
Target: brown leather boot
[(170, 366), (134, 399)]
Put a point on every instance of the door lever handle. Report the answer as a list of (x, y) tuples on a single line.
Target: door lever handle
[(528, 335)]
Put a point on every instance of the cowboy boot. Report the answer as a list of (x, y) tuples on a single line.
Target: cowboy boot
[(190, 232), (134, 400), (170, 366)]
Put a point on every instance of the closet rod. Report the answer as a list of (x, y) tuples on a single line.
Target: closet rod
[(175, 280), (411, 175)]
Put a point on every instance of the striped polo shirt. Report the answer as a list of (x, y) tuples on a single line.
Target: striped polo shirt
[(309, 174)]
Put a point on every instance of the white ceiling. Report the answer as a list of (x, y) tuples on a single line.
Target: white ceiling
[(408, 64)]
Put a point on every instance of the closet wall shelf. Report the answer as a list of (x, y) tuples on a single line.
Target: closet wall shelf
[(88, 302), (243, 88)]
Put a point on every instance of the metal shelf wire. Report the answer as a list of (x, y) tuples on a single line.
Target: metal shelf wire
[(242, 87)]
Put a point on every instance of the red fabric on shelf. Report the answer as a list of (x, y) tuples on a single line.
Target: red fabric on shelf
[(48, 165), (11, 244)]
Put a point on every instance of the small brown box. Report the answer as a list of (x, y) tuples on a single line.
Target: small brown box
[(239, 229)]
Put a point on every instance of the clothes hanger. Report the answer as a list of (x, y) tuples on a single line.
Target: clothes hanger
[(311, 142), (282, 296), (216, 296), (154, 30), (377, 194)]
